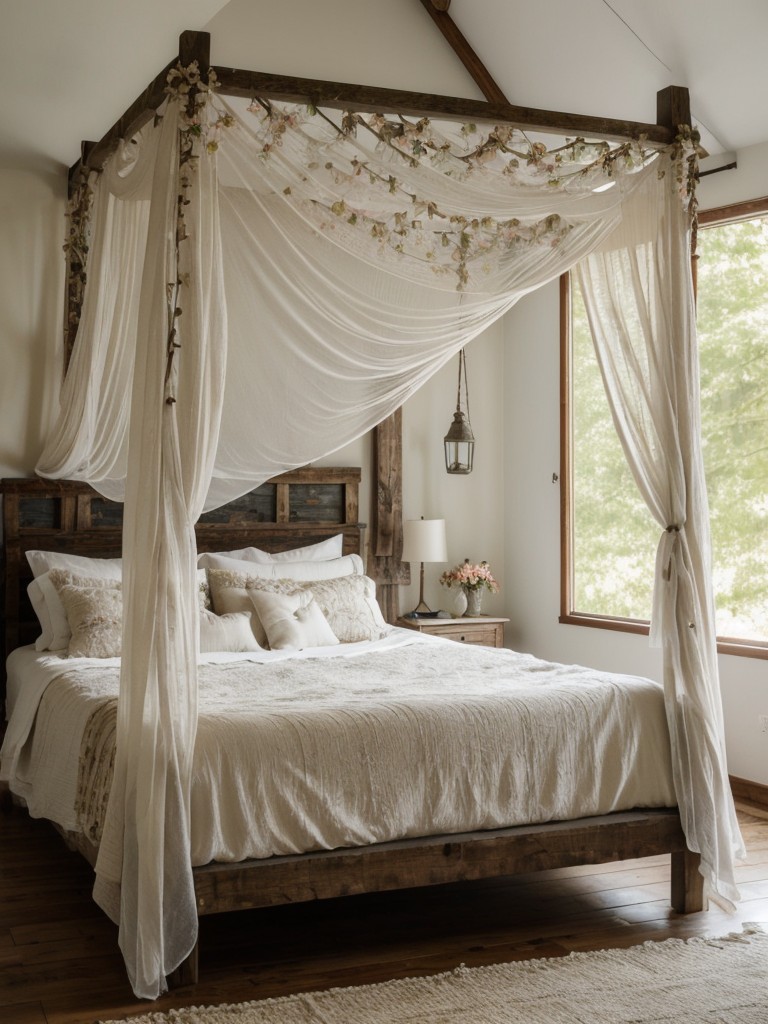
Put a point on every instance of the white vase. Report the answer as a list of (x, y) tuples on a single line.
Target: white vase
[(459, 604), (474, 603)]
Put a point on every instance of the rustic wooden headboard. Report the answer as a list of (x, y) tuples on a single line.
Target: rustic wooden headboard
[(297, 508)]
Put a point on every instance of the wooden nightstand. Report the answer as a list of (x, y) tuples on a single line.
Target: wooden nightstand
[(487, 629)]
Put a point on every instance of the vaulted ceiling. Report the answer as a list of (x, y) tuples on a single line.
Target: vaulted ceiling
[(68, 70)]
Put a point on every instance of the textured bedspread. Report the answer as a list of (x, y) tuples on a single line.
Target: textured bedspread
[(319, 752)]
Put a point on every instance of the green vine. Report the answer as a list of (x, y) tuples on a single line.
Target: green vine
[(76, 249), (197, 128)]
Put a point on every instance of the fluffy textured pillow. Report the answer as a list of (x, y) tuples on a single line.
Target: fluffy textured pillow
[(332, 547), (94, 611), (231, 632), (50, 584), (293, 620), (330, 568), (203, 590), (348, 602)]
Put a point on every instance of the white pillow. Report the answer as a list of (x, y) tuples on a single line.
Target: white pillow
[(332, 547), (40, 608), (331, 568), (47, 605), (41, 561), (293, 620), (230, 632)]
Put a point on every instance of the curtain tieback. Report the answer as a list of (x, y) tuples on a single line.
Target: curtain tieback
[(667, 574)]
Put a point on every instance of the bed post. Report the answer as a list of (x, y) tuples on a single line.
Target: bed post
[(195, 46), (673, 107), (187, 972), (687, 883), (386, 566)]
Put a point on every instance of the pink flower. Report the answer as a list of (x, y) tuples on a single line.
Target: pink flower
[(470, 577)]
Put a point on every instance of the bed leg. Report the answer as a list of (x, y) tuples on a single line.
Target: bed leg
[(186, 972), (687, 895)]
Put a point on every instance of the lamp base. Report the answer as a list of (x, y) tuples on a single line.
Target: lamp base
[(416, 614)]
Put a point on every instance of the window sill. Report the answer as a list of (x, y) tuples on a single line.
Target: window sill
[(725, 645)]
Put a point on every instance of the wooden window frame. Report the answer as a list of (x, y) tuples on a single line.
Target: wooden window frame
[(725, 645)]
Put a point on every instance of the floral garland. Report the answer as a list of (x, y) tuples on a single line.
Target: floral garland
[(186, 86), (419, 228), (76, 251)]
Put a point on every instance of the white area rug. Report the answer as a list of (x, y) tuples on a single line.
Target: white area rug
[(701, 981)]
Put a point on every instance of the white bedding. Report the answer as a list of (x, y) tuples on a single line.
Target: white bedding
[(364, 743)]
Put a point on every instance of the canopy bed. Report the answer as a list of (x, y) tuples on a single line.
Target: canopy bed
[(311, 507), (267, 281)]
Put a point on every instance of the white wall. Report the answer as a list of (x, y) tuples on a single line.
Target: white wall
[(532, 564), (472, 506), (31, 312)]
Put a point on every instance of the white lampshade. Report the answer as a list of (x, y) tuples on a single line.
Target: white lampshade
[(424, 540)]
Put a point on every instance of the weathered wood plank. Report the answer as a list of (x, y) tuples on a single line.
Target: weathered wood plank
[(386, 566), (673, 107), (344, 95), (437, 860)]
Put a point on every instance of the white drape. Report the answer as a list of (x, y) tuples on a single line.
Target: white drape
[(638, 294), (142, 873), (329, 272), (345, 290)]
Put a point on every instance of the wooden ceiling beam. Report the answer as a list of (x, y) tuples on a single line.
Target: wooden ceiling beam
[(438, 12)]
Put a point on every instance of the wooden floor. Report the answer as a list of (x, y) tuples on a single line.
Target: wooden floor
[(59, 962)]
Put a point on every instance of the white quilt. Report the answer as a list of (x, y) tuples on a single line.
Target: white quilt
[(348, 746)]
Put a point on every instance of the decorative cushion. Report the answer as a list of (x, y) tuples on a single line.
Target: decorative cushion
[(292, 620), (203, 590), (51, 584), (348, 602), (95, 616), (231, 632)]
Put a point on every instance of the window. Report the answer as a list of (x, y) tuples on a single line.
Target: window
[(609, 537)]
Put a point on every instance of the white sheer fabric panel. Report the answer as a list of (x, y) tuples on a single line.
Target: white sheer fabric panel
[(639, 300), (143, 864), (330, 330)]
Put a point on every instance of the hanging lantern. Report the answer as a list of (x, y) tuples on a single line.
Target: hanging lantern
[(459, 442)]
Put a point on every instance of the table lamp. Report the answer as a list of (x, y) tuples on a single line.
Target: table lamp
[(423, 541)]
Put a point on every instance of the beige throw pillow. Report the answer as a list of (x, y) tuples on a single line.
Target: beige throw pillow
[(95, 617), (231, 632), (292, 620)]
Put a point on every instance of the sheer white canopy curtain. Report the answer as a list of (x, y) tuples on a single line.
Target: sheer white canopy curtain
[(638, 293), (267, 282)]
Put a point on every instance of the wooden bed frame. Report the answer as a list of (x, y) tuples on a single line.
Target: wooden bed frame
[(298, 508)]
